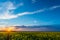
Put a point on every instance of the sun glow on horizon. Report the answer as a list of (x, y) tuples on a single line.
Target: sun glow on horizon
[(7, 29), (10, 29)]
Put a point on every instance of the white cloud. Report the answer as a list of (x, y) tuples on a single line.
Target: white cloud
[(54, 7), (6, 8), (33, 1), (20, 4), (41, 10), (8, 15)]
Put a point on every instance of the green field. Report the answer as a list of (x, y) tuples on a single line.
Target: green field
[(30, 36)]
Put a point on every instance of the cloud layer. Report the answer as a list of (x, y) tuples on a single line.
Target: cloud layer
[(13, 28), (7, 8)]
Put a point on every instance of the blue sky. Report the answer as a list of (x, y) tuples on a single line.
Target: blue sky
[(29, 12)]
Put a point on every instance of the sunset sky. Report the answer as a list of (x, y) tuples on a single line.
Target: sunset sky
[(29, 12)]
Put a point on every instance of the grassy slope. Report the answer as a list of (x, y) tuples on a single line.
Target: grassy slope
[(31, 35)]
